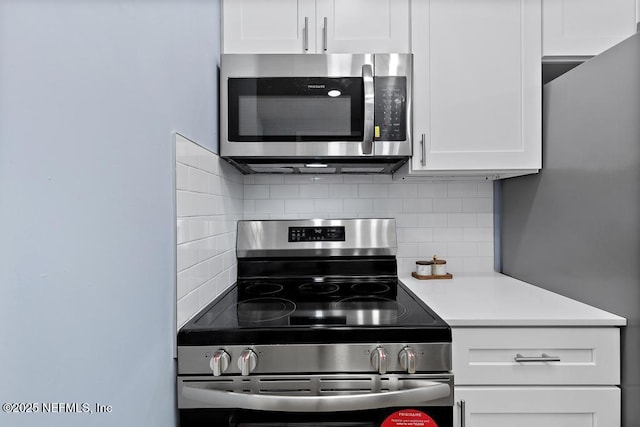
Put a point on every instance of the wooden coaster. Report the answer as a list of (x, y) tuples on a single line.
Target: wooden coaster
[(431, 276)]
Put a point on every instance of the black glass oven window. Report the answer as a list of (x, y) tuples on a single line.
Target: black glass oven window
[(295, 109)]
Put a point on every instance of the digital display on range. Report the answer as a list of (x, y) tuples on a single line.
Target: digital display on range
[(316, 234)]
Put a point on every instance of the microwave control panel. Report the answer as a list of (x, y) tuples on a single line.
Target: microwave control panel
[(390, 115)]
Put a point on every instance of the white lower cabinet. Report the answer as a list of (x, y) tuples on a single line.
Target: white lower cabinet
[(537, 406), (532, 377)]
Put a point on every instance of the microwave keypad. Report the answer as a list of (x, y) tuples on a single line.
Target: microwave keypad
[(390, 108)]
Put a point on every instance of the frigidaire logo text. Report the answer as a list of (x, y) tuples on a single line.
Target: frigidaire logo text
[(316, 86)]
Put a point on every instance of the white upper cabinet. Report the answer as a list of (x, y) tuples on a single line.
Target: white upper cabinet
[(348, 26), (274, 26), (586, 27), (315, 26), (477, 87)]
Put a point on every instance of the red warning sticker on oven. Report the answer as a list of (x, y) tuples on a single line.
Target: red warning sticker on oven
[(409, 418)]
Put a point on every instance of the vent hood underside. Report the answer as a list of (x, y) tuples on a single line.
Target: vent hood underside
[(369, 165)]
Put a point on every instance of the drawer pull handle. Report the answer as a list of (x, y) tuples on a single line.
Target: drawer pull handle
[(542, 358)]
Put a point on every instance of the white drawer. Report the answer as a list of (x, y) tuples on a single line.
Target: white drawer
[(488, 356)]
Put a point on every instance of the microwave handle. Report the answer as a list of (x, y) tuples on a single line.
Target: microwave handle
[(367, 138)]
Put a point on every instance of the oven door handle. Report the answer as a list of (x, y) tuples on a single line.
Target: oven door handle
[(369, 105), (420, 393)]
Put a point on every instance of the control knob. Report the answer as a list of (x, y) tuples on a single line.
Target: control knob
[(219, 362), (379, 360), (247, 361), (407, 358)]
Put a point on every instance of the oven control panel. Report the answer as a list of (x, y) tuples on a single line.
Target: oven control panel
[(316, 234), (379, 358)]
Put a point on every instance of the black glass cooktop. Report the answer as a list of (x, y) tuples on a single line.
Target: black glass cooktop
[(270, 311)]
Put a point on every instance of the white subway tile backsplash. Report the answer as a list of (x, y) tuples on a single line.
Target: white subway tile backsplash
[(462, 189), (382, 178), (403, 191), (432, 220), (198, 181), (462, 249), (431, 189), (209, 202), (182, 177), (343, 191), (292, 207), (485, 219), (449, 219), (426, 250), (477, 234), (256, 192), (249, 206), (480, 205), (373, 191), (408, 250), (485, 249), (207, 289), (187, 306), (284, 191), (406, 220), (328, 205), (357, 179), (447, 234), (418, 205), (270, 206), (358, 205), (209, 163), (268, 179), (314, 191), (417, 235), (462, 220), (215, 185), (475, 264), (447, 205), (182, 231), (387, 206), (485, 189)]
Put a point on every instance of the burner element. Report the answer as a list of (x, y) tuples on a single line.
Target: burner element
[(380, 309), (319, 288), (260, 310), (370, 288), (263, 288)]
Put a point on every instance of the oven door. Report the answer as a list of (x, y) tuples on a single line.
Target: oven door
[(317, 400)]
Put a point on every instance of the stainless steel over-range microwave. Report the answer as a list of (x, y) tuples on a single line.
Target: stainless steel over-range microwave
[(317, 113)]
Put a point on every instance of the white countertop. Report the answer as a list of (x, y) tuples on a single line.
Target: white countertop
[(493, 299)]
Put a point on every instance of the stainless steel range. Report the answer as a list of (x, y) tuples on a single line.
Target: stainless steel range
[(317, 331)]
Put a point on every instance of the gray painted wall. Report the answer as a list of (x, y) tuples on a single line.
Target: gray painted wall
[(575, 227), (90, 93)]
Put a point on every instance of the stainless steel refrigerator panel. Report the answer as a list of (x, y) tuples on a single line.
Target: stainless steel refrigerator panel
[(575, 227)]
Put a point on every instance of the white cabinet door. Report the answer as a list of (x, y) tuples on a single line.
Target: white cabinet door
[(477, 86), (586, 27), (274, 26), (538, 406), (543, 356), (310, 26), (363, 26)]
